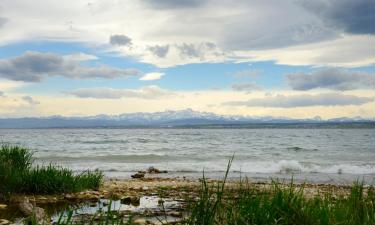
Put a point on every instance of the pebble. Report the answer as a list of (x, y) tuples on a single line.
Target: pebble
[(140, 221), (175, 214), (126, 200), (135, 201), (3, 206)]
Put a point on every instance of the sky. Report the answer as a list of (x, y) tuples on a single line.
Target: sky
[(290, 58)]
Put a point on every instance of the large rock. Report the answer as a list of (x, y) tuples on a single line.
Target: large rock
[(138, 175), (155, 170), (30, 210)]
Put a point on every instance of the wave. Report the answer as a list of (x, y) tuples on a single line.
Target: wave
[(293, 166), (133, 158), (189, 162), (258, 167)]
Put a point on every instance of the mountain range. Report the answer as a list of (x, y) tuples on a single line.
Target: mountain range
[(187, 117)]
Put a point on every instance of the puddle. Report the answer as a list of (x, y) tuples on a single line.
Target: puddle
[(146, 206), (151, 208)]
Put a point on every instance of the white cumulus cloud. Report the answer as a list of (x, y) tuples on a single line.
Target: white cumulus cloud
[(151, 76)]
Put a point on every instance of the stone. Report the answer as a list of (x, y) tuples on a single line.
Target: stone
[(155, 170), (126, 200), (69, 196), (140, 221), (4, 222), (135, 201), (175, 214), (29, 209), (138, 175), (3, 206)]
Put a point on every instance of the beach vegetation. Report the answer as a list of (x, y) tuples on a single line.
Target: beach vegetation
[(18, 174)]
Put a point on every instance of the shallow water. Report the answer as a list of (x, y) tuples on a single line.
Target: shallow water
[(147, 204), (315, 155)]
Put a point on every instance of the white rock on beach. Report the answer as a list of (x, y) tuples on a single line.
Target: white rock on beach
[(29, 209)]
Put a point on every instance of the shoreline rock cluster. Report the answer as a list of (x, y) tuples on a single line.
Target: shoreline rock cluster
[(150, 170), (130, 191)]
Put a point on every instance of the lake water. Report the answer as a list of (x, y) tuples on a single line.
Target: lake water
[(313, 155)]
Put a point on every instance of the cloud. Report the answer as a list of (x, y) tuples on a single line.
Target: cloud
[(196, 50), (335, 79), (80, 57), (159, 51), (119, 39), (246, 73), (7, 85), (173, 4), (3, 21), (151, 76), (292, 101), (147, 92), (352, 16), (246, 32), (2, 94), (36, 66), (348, 51), (251, 86), (30, 100)]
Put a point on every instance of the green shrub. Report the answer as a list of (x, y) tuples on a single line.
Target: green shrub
[(18, 175)]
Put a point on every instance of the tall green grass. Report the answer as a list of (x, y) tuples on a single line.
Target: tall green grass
[(246, 204), (17, 175)]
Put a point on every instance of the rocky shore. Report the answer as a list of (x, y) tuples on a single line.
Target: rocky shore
[(146, 197)]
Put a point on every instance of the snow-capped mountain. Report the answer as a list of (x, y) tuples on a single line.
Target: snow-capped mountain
[(187, 117)]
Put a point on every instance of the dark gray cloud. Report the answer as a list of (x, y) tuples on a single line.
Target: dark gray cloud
[(174, 4), (147, 92), (196, 50), (3, 21), (251, 86), (35, 66), (334, 79), (159, 51), (283, 101), (30, 100), (119, 39), (353, 16), (189, 50)]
